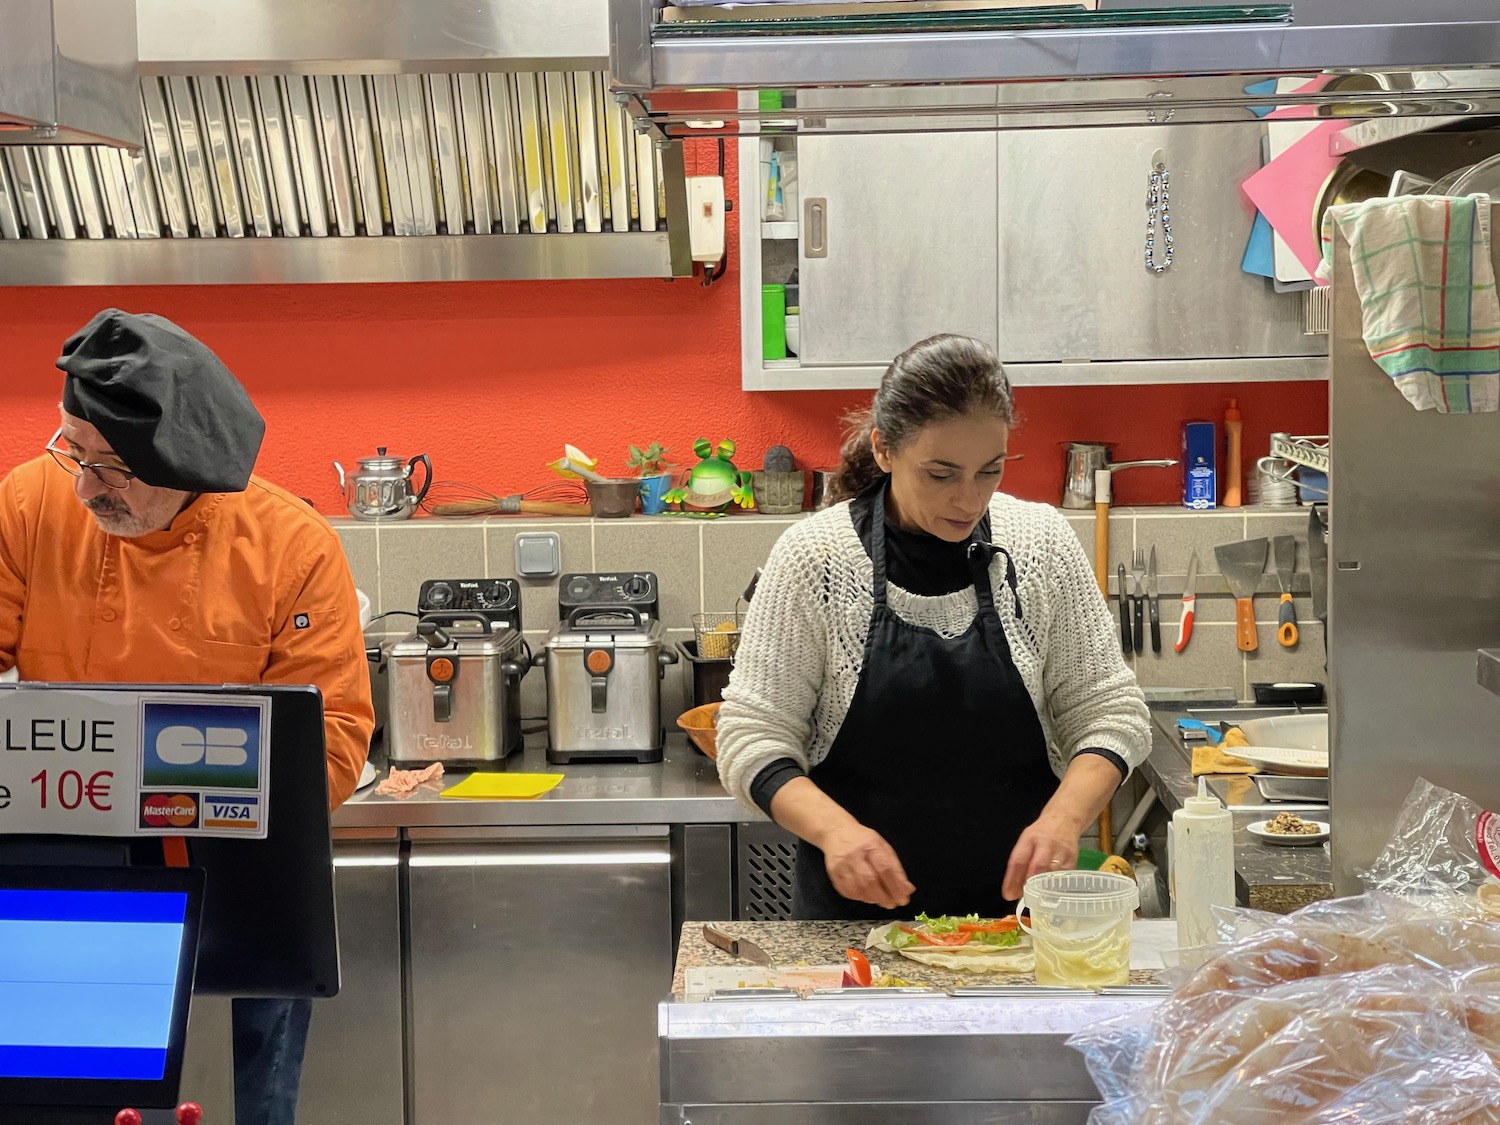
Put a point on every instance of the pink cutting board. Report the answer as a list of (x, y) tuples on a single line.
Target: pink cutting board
[(1286, 191)]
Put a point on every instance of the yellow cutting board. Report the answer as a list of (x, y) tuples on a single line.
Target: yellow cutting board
[(502, 786)]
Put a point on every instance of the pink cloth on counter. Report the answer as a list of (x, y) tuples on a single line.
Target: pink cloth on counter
[(403, 783)]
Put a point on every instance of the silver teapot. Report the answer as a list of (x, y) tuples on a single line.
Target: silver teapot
[(1084, 459), (381, 491)]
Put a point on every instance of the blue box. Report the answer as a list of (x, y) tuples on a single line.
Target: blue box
[(1200, 479)]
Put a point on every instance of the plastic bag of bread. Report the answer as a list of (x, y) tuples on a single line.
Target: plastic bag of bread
[(1362, 1009), (1442, 853), (1384, 1045)]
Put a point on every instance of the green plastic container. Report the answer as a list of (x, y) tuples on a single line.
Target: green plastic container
[(773, 321), (770, 101)]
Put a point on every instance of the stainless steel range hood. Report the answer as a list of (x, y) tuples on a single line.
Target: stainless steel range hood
[(1353, 59), (67, 72), (356, 140)]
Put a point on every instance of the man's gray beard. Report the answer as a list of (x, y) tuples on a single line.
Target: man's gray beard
[(118, 521)]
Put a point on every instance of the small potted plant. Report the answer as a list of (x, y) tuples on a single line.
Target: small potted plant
[(650, 464)]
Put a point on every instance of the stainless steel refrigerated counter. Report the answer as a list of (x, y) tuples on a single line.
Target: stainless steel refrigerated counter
[(885, 1059)]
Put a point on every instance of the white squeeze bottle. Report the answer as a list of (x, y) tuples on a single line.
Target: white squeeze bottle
[(1202, 866)]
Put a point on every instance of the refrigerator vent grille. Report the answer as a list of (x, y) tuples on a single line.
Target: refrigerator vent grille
[(767, 858)]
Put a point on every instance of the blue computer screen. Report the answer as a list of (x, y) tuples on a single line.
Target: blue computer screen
[(87, 980)]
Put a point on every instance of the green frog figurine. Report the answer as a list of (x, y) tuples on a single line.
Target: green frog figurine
[(713, 484)]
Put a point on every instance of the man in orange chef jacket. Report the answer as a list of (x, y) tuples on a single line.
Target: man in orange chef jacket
[(139, 548)]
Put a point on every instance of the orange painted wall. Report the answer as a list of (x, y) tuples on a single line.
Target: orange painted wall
[(491, 378)]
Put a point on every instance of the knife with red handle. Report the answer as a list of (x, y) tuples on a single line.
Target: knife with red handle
[(1189, 606)]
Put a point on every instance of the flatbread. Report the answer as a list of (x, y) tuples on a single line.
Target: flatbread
[(1017, 958)]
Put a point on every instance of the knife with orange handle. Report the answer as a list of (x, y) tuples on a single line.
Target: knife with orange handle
[(1189, 606)]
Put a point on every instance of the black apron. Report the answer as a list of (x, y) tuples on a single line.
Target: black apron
[(941, 753)]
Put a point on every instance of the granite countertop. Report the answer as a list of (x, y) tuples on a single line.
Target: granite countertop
[(1272, 877), (823, 943)]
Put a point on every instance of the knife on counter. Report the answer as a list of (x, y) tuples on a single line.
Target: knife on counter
[(736, 947)]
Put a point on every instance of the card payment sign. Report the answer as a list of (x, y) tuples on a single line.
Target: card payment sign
[(201, 746)]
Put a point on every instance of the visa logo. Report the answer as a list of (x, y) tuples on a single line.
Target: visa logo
[(231, 812)]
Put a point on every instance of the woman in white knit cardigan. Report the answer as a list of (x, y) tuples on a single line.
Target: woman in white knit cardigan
[(929, 691)]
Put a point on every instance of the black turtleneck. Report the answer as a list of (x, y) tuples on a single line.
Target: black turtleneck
[(918, 562)]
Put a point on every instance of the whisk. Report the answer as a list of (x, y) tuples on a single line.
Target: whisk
[(456, 498)]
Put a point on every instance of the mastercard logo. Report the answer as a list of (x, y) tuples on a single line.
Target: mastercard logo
[(169, 810)]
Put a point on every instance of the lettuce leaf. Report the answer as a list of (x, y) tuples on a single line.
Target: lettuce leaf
[(947, 924), (897, 938), (1003, 941), (943, 923)]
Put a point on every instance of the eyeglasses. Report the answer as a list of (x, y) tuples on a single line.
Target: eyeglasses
[(110, 476)]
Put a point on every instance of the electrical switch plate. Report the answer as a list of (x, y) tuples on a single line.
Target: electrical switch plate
[(538, 554), (706, 217)]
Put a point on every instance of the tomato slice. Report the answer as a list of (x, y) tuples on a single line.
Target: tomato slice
[(859, 968), (944, 939), (998, 926)]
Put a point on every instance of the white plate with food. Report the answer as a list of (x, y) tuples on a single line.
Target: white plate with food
[(1289, 829)]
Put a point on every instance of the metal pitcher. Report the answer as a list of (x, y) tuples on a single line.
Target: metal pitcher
[(1085, 458), (381, 491)]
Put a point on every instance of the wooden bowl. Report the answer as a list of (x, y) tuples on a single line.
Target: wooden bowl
[(699, 724)]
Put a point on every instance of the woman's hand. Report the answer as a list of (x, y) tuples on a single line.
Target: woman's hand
[(1049, 844), (862, 866)]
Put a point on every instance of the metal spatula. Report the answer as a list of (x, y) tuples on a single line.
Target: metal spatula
[(1285, 549), (1242, 564)]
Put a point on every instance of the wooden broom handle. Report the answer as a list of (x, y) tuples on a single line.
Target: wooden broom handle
[(1103, 487)]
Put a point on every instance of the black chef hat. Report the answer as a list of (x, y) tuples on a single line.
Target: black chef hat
[(166, 404)]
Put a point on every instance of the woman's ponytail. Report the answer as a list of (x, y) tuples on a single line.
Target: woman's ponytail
[(858, 469)]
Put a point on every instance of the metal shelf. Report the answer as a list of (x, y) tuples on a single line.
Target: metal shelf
[(1106, 75), (781, 375), (1310, 452), (916, 57)]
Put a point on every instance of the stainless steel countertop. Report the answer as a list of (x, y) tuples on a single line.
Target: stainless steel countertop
[(682, 789), (1270, 876)]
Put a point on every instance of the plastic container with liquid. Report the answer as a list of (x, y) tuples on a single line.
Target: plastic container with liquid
[(1080, 927), (1202, 867)]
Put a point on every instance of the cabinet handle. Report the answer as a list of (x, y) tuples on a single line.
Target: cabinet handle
[(505, 857), (815, 228)]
